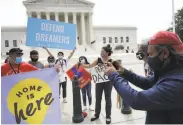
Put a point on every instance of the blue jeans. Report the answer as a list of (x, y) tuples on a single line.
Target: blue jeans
[(87, 90)]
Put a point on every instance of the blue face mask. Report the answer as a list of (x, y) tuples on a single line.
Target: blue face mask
[(18, 60)]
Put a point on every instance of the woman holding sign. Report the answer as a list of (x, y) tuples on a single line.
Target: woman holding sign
[(102, 83), (87, 89)]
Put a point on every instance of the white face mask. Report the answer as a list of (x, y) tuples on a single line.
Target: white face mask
[(51, 64), (60, 57), (82, 61)]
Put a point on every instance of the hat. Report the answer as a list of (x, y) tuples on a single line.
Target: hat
[(15, 50), (167, 38)]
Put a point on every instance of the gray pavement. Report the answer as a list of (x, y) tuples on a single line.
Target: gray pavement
[(137, 117)]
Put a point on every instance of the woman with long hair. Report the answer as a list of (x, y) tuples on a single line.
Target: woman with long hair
[(87, 89), (103, 86)]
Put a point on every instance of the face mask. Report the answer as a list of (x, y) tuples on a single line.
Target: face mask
[(155, 63), (18, 60), (34, 59), (60, 57), (51, 64), (82, 61)]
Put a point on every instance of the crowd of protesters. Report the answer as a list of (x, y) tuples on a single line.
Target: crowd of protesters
[(162, 85)]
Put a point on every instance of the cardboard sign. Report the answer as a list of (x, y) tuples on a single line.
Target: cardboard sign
[(31, 98), (50, 34), (84, 77), (98, 75)]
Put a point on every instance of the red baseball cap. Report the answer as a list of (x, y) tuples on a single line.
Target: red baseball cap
[(167, 38)]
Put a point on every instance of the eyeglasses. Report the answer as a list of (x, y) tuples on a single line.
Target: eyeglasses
[(140, 55)]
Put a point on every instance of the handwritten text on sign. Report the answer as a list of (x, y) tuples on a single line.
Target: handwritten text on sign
[(98, 75), (50, 34)]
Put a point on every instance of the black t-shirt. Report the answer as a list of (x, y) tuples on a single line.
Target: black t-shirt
[(100, 62)]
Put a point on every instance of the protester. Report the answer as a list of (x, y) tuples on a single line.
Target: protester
[(162, 95), (15, 64), (143, 55), (105, 86), (63, 67), (51, 62), (34, 55), (87, 89), (62, 75)]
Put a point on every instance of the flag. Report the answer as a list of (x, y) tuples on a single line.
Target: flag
[(118, 103), (84, 77), (31, 98)]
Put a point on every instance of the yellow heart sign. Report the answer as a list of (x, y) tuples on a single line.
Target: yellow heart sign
[(29, 100)]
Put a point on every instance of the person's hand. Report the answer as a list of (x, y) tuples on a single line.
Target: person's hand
[(110, 69), (118, 66)]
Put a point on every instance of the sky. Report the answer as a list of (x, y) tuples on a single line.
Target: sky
[(149, 16)]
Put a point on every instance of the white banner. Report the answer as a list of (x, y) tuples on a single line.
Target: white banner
[(98, 75)]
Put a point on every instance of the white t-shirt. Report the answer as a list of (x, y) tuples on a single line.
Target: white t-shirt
[(63, 67), (148, 69), (88, 69)]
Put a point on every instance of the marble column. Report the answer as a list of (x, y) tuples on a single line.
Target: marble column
[(66, 17), (29, 14), (38, 15), (83, 36), (90, 28), (75, 22), (47, 15), (56, 16)]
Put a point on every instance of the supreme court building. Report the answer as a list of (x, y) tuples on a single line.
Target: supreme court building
[(79, 12)]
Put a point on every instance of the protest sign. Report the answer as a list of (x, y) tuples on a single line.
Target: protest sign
[(50, 34), (31, 98), (98, 75), (84, 77)]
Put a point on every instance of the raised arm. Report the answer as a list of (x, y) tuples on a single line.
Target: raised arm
[(93, 64), (71, 54), (48, 51)]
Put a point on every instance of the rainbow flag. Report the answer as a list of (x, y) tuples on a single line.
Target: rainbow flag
[(118, 104)]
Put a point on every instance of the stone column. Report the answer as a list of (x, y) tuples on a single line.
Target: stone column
[(47, 15), (56, 16), (66, 17), (90, 27), (75, 22), (29, 14), (38, 15), (83, 30)]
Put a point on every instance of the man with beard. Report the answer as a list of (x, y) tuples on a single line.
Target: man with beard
[(34, 55), (162, 95)]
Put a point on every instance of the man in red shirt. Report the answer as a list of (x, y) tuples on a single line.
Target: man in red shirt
[(15, 64)]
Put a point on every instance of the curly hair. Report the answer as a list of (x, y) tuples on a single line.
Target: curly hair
[(108, 49)]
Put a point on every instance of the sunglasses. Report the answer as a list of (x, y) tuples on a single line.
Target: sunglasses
[(140, 55)]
